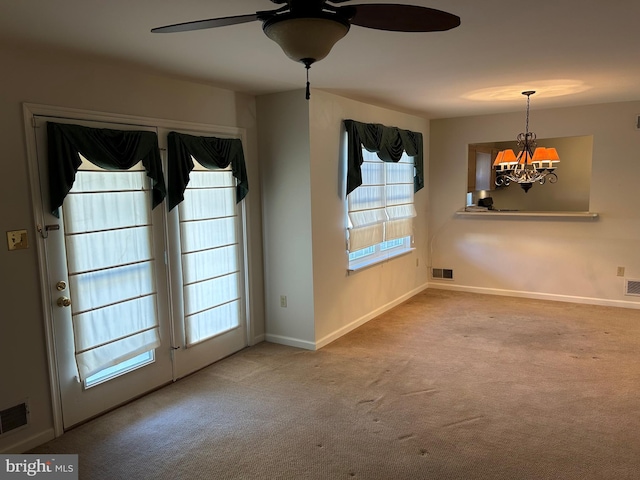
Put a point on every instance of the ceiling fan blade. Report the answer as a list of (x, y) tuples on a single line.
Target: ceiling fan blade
[(402, 18), (202, 24)]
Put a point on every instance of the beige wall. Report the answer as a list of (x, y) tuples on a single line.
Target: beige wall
[(573, 260), (303, 174), (66, 80), (342, 302), (283, 126)]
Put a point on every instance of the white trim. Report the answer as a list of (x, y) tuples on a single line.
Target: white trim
[(79, 114), (290, 341), (257, 339), (38, 219), (537, 296), (369, 316), (31, 442)]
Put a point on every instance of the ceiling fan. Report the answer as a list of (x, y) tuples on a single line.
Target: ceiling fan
[(307, 30)]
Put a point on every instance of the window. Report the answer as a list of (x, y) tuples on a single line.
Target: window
[(380, 211), (212, 280), (108, 235)]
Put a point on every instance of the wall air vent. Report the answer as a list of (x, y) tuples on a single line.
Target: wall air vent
[(632, 287), (445, 273), (13, 417)]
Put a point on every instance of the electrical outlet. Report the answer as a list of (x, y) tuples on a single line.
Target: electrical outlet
[(620, 271), (283, 301), (17, 240)]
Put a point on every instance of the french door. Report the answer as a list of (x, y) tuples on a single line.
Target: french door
[(207, 269), (137, 297)]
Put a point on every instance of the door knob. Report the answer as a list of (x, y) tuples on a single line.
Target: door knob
[(64, 302)]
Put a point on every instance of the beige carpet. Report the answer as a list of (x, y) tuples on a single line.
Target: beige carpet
[(446, 386)]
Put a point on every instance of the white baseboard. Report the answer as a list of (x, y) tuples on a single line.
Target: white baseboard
[(537, 296), (291, 342), (257, 339), (24, 445), (369, 316)]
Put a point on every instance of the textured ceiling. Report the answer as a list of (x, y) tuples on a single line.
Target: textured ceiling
[(574, 52)]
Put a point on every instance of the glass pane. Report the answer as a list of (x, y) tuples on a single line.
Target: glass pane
[(399, 194), (365, 198), (212, 322), (210, 293), (86, 212), (209, 203), (106, 287), (119, 369), (206, 234), (94, 251), (399, 173), (92, 361), (210, 255), (211, 178), (103, 181), (207, 264), (106, 324), (372, 173), (108, 240)]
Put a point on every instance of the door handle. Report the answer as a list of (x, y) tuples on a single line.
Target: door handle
[(64, 301)]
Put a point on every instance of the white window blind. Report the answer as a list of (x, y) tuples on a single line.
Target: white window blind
[(107, 218), (212, 281), (381, 209)]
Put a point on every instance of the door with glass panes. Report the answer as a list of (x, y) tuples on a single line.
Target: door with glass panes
[(137, 297), (206, 239)]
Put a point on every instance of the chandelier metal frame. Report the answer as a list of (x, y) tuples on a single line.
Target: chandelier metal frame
[(530, 165)]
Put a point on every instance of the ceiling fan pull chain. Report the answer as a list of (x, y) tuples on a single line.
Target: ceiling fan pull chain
[(308, 66)]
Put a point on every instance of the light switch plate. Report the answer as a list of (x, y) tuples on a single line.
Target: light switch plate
[(17, 240)]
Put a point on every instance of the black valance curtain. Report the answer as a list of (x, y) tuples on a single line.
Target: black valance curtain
[(211, 152), (108, 149), (387, 142)]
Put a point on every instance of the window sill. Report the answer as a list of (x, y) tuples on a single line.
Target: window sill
[(525, 214), (375, 261)]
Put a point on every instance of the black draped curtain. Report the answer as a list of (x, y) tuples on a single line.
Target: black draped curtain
[(388, 142), (210, 152), (108, 149)]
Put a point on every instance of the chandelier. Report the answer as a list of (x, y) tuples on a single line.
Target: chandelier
[(529, 165)]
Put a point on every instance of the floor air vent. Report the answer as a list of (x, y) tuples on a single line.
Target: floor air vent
[(13, 417), (632, 287)]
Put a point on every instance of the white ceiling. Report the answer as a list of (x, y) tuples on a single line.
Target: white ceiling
[(585, 49)]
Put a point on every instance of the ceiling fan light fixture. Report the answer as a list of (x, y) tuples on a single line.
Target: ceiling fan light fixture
[(305, 40)]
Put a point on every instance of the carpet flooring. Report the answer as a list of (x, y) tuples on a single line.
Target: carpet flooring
[(448, 385)]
